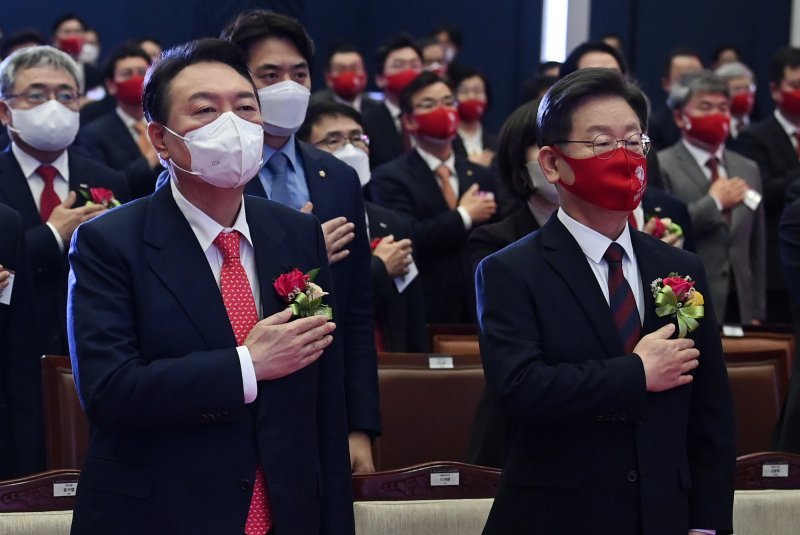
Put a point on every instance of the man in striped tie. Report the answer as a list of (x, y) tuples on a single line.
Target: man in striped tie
[(616, 425)]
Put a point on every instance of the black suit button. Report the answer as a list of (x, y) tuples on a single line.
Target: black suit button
[(245, 485), (633, 476)]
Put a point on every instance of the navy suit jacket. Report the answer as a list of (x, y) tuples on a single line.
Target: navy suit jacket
[(590, 450), (407, 185), (108, 141), (48, 262), (336, 191), (174, 449), (21, 431), (385, 142)]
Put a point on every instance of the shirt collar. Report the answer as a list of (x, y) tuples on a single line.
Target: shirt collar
[(203, 226), (433, 162), (701, 155), (592, 243), (355, 104), (476, 137), (29, 164), (393, 110), (784, 122), (289, 149), (127, 120)]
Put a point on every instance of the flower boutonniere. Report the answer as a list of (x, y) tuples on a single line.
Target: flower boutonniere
[(98, 196), (304, 297), (664, 227), (676, 296)]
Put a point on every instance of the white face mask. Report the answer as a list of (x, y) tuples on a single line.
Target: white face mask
[(89, 53), (226, 152), (540, 184), (283, 107), (357, 159), (48, 126)]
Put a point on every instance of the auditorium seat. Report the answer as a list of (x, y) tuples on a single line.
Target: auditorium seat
[(757, 395), (435, 329), (456, 344), (65, 425), (768, 470), (39, 504), (427, 407), (742, 348)]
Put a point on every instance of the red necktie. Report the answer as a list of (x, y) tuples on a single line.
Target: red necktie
[(241, 307), (713, 164), (797, 138), (49, 199), (621, 300)]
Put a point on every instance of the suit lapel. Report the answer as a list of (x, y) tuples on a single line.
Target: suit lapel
[(693, 171), (426, 180), (465, 175), (268, 237), (15, 189), (177, 260), (564, 254), (653, 264), (782, 141)]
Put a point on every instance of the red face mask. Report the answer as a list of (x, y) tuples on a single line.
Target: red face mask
[(617, 183), (130, 91), (71, 45), (711, 129), (742, 103), (395, 83), (471, 110), (790, 103), (348, 84), (440, 124)]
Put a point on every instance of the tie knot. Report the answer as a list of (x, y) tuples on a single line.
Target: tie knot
[(228, 243), (48, 173), (712, 163), (139, 127), (614, 253), (278, 163), (443, 172)]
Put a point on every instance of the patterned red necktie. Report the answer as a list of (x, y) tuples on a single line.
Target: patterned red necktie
[(621, 300), (713, 164), (241, 307), (49, 199)]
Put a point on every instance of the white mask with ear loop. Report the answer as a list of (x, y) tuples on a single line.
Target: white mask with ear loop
[(50, 126), (357, 159), (283, 107), (226, 153), (540, 184)]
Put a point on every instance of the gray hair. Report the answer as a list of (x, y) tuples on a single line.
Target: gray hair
[(734, 70), (690, 84), (36, 56)]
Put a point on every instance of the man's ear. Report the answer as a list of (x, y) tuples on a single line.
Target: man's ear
[(380, 81), (111, 87), (156, 133), (5, 113), (679, 118), (547, 161), (409, 122)]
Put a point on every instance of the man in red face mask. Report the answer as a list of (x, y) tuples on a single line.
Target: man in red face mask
[(773, 144), (345, 78), (609, 414), (119, 137), (742, 86), (444, 194), (723, 192), (68, 36), (399, 62)]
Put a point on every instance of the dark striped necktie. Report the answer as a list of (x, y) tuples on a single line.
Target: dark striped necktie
[(621, 300)]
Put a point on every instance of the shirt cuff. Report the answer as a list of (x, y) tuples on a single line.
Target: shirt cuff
[(248, 374), (716, 202), (59, 239), (465, 217), (709, 531)]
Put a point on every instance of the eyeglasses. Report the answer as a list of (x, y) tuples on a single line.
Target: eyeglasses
[(604, 146), (334, 142), (35, 96)]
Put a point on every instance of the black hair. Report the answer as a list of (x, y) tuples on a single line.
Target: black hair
[(546, 65), (340, 47), (719, 49), (141, 40), (454, 34), (787, 56), (156, 100), (570, 64), (534, 88), (425, 79), (457, 73), (517, 134), (397, 42), (257, 24), (126, 50), (317, 112), (554, 120), (676, 52), (64, 18), (28, 35)]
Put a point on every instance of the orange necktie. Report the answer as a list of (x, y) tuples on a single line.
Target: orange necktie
[(443, 173)]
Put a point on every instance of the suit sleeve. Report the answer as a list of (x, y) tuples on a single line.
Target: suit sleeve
[(43, 251), (118, 386)]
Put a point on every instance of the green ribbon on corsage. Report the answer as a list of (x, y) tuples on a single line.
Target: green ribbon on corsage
[(667, 305)]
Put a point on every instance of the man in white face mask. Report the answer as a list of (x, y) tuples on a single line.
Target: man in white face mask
[(186, 360), (279, 56), (399, 306), (42, 178)]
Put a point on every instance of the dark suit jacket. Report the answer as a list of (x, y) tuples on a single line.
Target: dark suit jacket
[(402, 315), (591, 451), (108, 141), (94, 110), (489, 143), (385, 142), (766, 143), (657, 202), (407, 184), (173, 446), (21, 432), (49, 264), (662, 129), (336, 191)]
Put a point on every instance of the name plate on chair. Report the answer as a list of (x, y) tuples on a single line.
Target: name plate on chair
[(775, 470), (66, 488), (440, 362), (732, 331), (444, 479)]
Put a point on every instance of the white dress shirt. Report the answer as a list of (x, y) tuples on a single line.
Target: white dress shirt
[(394, 111), (433, 163), (206, 230), (129, 121), (29, 165), (702, 156), (473, 143)]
